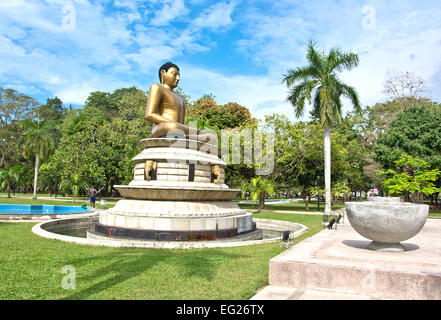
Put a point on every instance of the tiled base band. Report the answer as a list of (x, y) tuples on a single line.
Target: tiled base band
[(163, 235)]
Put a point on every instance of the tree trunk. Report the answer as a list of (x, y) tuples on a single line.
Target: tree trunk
[(261, 202), (9, 189), (305, 199), (37, 162), (327, 151)]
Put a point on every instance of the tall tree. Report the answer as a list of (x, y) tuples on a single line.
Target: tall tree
[(318, 82), (37, 142), (415, 131), (14, 107), (52, 110)]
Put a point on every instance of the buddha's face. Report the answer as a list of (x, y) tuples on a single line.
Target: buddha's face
[(171, 77)]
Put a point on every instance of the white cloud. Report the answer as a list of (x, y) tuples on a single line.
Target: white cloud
[(170, 10), (261, 94), (404, 39), (215, 17), (114, 48), (8, 47)]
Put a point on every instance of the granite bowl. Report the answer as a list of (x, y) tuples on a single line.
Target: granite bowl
[(387, 222)]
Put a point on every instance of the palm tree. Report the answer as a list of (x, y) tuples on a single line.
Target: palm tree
[(37, 142), (8, 177), (318, 82), (75, 182), (259, 187)]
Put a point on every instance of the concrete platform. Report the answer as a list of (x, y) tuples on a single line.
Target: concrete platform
[(336, 264), (288, 293)]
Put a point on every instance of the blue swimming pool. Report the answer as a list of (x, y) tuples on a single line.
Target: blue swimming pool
[(39, 209)]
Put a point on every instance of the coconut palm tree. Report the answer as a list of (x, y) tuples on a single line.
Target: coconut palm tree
[(318, 82), (8, 177), (258, 188), (37, 142)]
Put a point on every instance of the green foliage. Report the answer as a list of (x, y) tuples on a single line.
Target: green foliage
[(37, 139), (318, 83), (14, 107), (299, 154), (259, 188), (76, 182), (209, 114), (415, 131), (339, 188), (53, 110), (99, 141), (411, 175), (8, 177), (37, 142)]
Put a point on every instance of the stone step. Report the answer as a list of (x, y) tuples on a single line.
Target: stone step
[(289, 293)]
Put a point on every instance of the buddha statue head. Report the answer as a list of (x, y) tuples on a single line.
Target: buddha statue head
[(169, 75)]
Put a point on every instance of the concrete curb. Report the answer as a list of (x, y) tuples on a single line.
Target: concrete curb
[(276, 225)]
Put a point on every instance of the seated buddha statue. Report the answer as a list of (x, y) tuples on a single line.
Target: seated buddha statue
[(166, 109)]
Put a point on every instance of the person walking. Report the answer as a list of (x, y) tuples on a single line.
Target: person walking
[(92, 196)]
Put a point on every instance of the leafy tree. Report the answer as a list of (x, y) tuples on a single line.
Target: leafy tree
[(14, 107), (318, 82), (340, 188), (99, 141), (259, 188), (411, 176), (211, 115), (8, 177), (37, 143), (298, 149), (417, 132), (53, 110)]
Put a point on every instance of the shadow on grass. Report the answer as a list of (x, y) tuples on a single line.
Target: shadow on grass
[(126, 265)]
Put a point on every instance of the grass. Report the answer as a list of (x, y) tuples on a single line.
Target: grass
[(31, 268), (292, 206)]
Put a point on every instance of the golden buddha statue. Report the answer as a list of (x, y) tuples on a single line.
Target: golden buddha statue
[(166, 109)]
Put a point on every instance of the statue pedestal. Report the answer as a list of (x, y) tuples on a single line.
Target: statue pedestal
[(182, 197)]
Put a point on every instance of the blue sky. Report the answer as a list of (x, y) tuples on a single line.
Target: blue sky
[(235, 50)]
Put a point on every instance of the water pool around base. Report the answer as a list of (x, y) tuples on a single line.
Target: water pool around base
[(73, 230), (31, 211)]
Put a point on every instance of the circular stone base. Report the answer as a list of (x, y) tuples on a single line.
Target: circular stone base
[(386, 247), (168, 235), (256, 234)]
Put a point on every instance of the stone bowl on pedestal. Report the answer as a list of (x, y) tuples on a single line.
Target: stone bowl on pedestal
[(387, 222)]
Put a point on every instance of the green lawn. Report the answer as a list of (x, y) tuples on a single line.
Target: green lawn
[(31, 268), (292, 206)]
